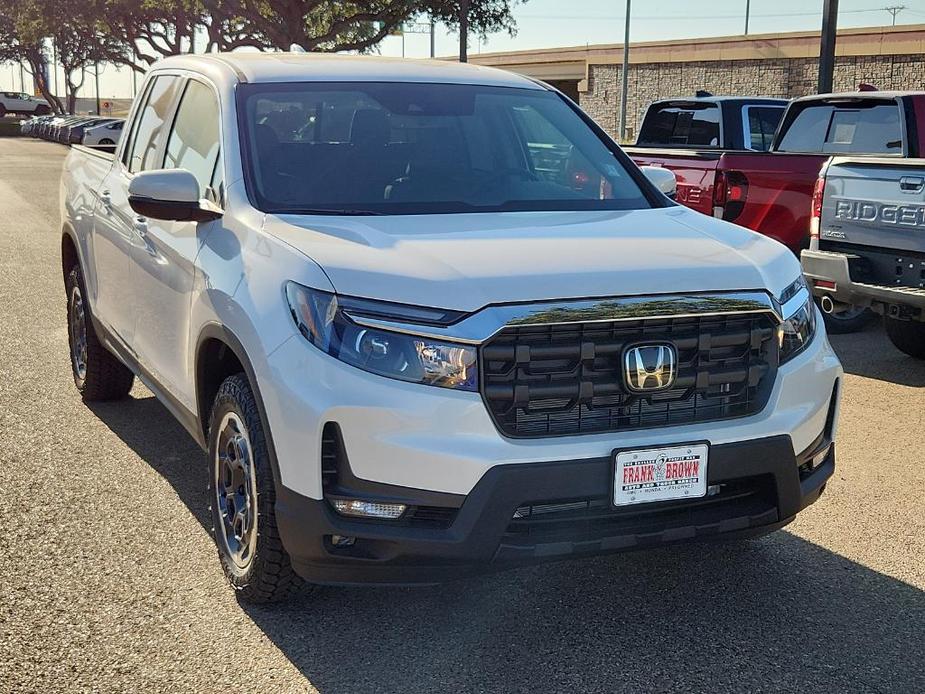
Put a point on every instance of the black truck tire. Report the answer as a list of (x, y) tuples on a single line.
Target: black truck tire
[(850, 321), (907, 336), (98, 374), (242, 494)]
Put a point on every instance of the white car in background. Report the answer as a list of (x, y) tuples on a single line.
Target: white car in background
[(103, 135), (26, 104)]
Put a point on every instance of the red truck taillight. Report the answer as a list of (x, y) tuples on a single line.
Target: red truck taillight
[(730, 189), (818, 193)]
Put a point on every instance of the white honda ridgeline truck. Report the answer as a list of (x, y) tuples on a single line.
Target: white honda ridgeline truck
[(429, 320)]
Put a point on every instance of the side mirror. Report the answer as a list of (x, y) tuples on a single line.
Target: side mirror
[(663, 179), (171, 194)]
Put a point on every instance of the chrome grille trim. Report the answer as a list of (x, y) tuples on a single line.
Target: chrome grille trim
[(484, 324)]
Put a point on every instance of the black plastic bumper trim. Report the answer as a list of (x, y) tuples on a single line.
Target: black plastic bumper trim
[(477, 541)]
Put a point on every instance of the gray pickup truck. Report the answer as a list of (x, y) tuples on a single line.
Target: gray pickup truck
[(867, 246)]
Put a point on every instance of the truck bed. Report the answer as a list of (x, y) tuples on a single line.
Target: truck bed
[(695, 170)]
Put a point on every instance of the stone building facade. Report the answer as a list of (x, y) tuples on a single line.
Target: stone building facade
[(780, 65), (786, 78)]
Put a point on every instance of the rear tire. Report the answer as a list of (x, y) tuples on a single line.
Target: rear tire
[(852, 320), (242, 493), (907, 336), (107, 141), (98, 374), (42, 110), (2, 110)]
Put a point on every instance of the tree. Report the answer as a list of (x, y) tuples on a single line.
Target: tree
[(22, 41), (313, 25), (149, 30), (336, 25), (79, 37), (481, 16)]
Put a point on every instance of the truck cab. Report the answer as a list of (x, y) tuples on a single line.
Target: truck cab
[(688, 135)]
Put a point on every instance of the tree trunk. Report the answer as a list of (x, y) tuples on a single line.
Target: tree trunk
[(71, 88), (38, 64)]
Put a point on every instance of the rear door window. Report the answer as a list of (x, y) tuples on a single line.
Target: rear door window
[(679, 124), (151, 123), (862, 127), (761, 124)]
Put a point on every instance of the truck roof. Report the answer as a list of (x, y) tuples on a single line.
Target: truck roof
[(718, 99), (859, 95), (330, 67)]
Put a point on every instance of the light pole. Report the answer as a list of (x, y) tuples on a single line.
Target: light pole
[(432, 38), (827, 46), (748, 6), (96, 79), (626, 66), (463, 31)]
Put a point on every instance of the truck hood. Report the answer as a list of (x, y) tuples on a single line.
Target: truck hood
[(467, 261)]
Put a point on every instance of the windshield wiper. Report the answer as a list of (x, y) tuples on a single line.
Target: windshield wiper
[(337, 212)]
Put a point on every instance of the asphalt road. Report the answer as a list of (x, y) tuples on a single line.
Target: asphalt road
[(109, 581)]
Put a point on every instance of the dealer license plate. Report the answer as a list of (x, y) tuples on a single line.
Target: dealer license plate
[(660, 474)]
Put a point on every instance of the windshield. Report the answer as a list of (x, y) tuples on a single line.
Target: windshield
[(412, 148)]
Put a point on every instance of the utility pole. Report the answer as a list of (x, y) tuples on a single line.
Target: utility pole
[(895, 10), (624, 91), (827, 45), (463, 31), (96, 79), (22, 78), (748, 7), (54, 63), (432, 39)]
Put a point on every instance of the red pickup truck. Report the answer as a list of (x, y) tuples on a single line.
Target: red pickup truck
[(771, 192)]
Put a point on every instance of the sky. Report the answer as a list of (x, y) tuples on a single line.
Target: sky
[(549, 23)]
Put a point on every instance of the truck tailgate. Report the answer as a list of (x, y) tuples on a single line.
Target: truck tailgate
[(874, 202), (695, 171), (779, 192)]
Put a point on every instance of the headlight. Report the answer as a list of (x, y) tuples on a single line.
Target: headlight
[(321, 319), (799, 324)]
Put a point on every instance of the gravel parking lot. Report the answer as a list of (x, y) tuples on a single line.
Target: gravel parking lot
[(110, 582)]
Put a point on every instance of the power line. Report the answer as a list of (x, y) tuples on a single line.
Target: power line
[(675, 18)]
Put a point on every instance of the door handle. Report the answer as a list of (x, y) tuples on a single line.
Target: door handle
[(106, 198), (911, 184)]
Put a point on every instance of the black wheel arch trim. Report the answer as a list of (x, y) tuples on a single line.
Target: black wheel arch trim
[(217, 331)]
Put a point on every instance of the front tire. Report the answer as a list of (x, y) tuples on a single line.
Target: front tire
[(42, 110), (907, 336), (243, 498), (98, 374)]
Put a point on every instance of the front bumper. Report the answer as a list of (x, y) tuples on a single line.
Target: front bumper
[(898, 302), (439, 449), (761, 484)]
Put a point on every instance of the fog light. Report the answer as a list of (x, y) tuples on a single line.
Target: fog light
[(368, 509), (820, 457), (342, 541)]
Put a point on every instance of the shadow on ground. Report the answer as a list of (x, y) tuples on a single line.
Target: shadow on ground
[(776, 614), (146, 427), (870, 353)]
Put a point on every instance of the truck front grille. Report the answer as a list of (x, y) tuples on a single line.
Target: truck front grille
[(567, 378)]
